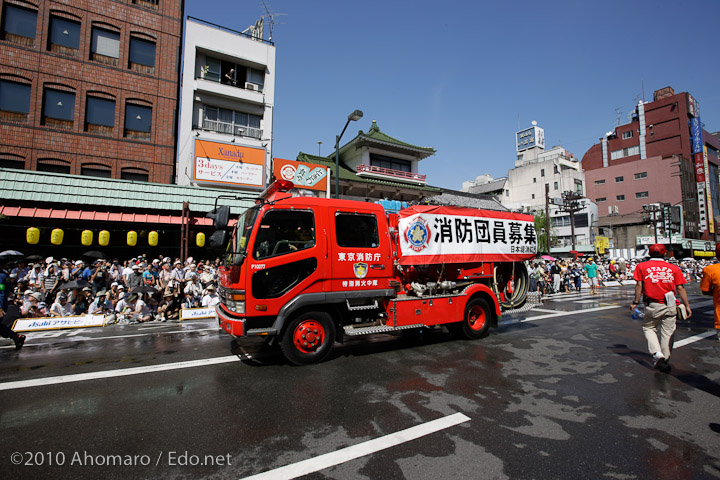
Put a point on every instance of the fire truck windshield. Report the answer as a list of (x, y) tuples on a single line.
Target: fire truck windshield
[(241, 234)]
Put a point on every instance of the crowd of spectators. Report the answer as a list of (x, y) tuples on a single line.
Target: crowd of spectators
[(572, 274), (137, 290)]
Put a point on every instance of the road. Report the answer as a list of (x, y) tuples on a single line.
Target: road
[(563, 391)]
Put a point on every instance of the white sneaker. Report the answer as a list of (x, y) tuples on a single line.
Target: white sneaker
[(658, 360)]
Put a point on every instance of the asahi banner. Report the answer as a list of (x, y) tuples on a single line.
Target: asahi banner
[(433, 235)]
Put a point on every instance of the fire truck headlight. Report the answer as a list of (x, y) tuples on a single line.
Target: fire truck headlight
[(236, 306)]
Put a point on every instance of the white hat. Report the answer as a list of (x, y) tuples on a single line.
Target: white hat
[(49, 260), (121, 287), (114, 284), (79, 262)]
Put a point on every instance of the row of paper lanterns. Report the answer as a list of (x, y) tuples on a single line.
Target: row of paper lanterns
[(32, 235)]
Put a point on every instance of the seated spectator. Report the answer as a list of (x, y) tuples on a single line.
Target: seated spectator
[(101, 305), (61, 307), (211, 298), (32, 308), (189, 301), (82, 301), (194, 287), (169, 307), (137, 309)]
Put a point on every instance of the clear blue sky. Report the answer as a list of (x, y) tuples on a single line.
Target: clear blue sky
[(461, 76)]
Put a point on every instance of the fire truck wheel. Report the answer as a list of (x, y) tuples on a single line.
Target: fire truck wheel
[(308, 338), (476, 323)]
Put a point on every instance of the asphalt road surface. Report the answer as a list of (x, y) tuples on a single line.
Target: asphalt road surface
[(565, 391)]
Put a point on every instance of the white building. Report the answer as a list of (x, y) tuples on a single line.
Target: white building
[(535, 170), (226, 112)]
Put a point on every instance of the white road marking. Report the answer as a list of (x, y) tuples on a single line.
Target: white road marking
[(561, 314), (546, 310), (343, 455), (81, 377), (694, 338)]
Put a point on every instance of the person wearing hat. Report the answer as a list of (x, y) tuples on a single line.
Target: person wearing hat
[(169, 307), (134, 280), (137, 309), (61, 307), (82, 301), (211, 297), (591, 270), (656, 282), (710, 285)]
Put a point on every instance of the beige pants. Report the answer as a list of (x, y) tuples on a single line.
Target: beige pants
[(658, 327)]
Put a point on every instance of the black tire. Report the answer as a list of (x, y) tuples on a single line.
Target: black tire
[(308, 338), (476, 321)]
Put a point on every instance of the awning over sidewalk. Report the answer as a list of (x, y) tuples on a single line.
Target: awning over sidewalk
[(93, 215)]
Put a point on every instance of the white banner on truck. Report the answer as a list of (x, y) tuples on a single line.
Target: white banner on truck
[(432, 235)]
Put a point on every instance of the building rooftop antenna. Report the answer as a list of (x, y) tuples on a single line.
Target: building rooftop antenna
[(271, 18), (618, 112)]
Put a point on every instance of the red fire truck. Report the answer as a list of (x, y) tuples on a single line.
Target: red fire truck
[(310, 271)]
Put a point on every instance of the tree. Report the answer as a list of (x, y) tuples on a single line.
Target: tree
[(540, 230)]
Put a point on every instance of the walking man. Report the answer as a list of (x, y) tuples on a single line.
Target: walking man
[(656, 281), (710, 285), (591, 271), (5, 291)]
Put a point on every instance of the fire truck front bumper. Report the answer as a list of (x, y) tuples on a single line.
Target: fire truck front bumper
[(231, 322)]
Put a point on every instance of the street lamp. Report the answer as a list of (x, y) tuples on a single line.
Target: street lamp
[(353, 117)]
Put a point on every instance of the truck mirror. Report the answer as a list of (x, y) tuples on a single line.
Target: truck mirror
[(220, 216), (218, 239)]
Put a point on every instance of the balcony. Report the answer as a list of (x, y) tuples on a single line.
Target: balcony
[(390, 174)]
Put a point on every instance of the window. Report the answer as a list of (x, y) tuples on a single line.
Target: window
[(619, 179), (95, 170), (135, 174), (534, 180), (231, 122), (275, 282), (211, 70), (601, 199), (9, 160), (53, 165), (256, 77), (147, 3), (578, 187), (356, 230), (626, 135), (138, 120), (19, 25), (99, 115), (58, 108), (555, 185), (555, 169), (64, 36), (14, 100), (620, 198), (542, 172), (284, 231), (105, 46), (533, 196), (599, 182), (641, 195), (625, 152), (383, 161), (142, 55), (641, 175)]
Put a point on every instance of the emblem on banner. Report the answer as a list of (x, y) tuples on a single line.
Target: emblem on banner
[(360, 269), (418, 234)]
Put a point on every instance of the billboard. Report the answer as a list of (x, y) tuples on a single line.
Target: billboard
[(304, 175), (696, 132), (229, 164), (529, 138)]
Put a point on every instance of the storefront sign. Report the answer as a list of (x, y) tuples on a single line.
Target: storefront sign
[(229, 164), (529, 138), (56, 323), (304, 175), (650, 239), (696, 133), (708, 192)]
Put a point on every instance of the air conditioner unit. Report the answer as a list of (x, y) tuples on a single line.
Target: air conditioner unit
[(252, 86)]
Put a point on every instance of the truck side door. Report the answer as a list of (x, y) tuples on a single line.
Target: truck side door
[(287, 258), (360, 249)]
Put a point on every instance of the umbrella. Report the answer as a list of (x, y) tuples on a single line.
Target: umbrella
[(79, 283), (548, 257), (10, 254), (94, 254), (144, 289), (34, 258)]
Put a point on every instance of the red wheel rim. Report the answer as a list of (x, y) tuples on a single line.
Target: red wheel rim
[(476, 317), (308, 336)]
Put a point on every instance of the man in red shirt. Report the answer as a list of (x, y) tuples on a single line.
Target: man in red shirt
[(656, 281)]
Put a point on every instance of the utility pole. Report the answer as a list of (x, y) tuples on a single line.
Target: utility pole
[(571, 205), (547, 217)]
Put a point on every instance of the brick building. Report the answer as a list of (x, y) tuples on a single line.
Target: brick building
[(90, 88), (654, 158)]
